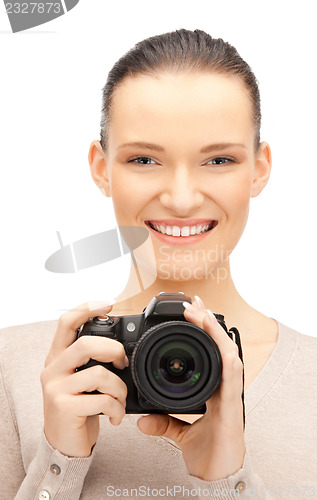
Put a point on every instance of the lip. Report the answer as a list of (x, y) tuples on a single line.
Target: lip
[(181, 240)]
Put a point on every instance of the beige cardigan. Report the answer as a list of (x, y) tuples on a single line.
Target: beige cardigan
[(280, 434)]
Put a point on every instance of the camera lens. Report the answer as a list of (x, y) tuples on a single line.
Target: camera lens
[(176, 365)]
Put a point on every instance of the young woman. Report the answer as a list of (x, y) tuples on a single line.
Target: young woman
[(180, 154)]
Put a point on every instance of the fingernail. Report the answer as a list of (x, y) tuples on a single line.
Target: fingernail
[(211, 315), (189, 307), (199, 302), (126, 361)]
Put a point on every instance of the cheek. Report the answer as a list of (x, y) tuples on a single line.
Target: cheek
[(127, 193), (234, 194)]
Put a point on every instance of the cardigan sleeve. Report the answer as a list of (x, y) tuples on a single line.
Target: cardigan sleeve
[(244, 483), (50, 475)]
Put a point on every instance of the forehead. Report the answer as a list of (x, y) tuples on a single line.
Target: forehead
[(190, 106)]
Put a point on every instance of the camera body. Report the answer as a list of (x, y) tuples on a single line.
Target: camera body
[(174, 366)]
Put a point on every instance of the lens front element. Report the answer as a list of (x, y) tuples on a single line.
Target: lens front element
[(176, 365)]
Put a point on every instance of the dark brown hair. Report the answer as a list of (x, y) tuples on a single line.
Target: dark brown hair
[(181, 50)]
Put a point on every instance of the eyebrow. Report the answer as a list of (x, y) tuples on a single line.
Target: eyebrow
[(205, 149)]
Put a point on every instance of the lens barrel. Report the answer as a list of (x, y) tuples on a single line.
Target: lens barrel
[(176, 365)]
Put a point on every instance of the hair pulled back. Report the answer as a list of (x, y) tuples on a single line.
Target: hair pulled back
[(180, 51)]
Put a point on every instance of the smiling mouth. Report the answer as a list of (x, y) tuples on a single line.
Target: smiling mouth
[(182, 231)]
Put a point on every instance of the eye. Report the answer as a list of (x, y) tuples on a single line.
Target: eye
[(142, 160), (220, 160)]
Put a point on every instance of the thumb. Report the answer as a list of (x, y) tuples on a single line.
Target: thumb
[(163, 425)]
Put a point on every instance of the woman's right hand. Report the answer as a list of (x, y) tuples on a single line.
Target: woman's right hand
[(71, 418)]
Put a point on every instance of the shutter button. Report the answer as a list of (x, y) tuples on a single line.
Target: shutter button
[(240, 486), (44, 495), (55, 469), (103, 320)]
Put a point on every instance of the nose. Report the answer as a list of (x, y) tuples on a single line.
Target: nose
[(181, 193)]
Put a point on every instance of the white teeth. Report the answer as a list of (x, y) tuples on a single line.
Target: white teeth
[(184, 231)]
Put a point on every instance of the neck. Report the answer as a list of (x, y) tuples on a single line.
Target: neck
[(218, 293)]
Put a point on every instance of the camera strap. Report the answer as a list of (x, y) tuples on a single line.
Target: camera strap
[(234, 331)]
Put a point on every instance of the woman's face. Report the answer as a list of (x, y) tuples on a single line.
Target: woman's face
[(196, 166)]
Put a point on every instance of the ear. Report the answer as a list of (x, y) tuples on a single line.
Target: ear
[(98, 168), (262, 170)]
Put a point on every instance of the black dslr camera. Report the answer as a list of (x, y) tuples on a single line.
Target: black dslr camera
[(174, 366)]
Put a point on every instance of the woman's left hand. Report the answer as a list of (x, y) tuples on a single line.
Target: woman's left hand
[(213, 447)]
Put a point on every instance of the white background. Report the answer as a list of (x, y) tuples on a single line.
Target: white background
[(50, 99)]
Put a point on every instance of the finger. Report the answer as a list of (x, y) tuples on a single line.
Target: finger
[(70, 321), (96, 378), (220, 336), (230, 390), (197, 303), (93, 404), (163, 425), (85, 348), (194, 313), (206, 320), (200, 305), (232, 374)]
